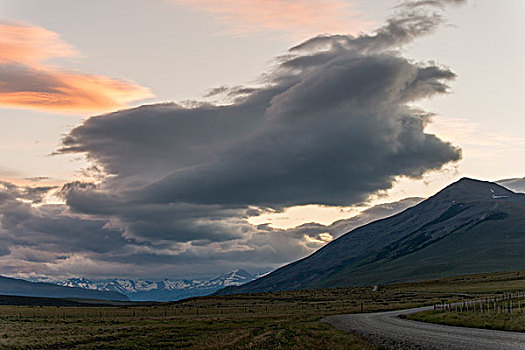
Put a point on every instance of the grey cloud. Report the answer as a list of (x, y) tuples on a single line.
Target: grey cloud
[(332, 124), (330, 127), (144, 221), (340, 134), (4, 250), (20, 78), (32, 194), (435, 3), (232, 92), (398, 31), (48, 227), (26, 224), (152, 141), (46, 239)]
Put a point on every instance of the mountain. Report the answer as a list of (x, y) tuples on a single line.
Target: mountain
[(234, 278), (469, 227), (13, 286), (166, 290)]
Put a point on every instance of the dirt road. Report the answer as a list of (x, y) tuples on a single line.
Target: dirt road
[(388, 330)]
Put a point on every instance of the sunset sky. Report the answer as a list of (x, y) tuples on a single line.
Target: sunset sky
[(261, 116)]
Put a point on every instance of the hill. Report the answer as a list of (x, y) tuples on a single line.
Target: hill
[(469, 227), (18, 287)]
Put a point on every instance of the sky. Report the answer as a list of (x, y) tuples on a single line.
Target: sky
[(186, 138)]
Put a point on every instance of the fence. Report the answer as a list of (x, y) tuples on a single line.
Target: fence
[(501, 303)]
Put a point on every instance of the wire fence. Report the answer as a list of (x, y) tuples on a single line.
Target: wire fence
[(500, 303)]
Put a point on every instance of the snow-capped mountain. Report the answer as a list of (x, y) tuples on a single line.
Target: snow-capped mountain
[(233, 278), (164, 290)]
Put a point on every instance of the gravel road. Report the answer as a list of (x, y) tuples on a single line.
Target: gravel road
[(388, 330)]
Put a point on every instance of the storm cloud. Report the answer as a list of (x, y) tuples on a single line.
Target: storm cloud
[(49, 240), (332, 123)]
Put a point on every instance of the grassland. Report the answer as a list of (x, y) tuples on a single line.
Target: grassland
[(285, 320), (514, 321), (506, 313)]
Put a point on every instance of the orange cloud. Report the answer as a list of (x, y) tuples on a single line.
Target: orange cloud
[(26, 81), (299, 18), (24, 44)]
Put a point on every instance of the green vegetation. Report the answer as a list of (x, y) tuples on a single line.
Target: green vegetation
[(514, 321), (285, 320)]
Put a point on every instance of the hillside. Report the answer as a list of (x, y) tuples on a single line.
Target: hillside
[(13, 286), (469, 227)]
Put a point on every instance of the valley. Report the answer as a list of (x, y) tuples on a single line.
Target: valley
[(287, 320)]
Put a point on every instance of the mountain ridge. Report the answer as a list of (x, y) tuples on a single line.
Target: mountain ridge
[(409, 245), (19, 287), (164, 290)]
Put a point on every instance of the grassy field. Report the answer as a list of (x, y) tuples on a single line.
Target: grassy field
[(488, 283), (514, 321), (285, 320)]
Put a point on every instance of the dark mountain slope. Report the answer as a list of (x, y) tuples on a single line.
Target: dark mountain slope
[(471, 226), (13, 286)]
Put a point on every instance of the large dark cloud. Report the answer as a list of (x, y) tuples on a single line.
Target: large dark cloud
[(338, 135), (332, 123), (27, 222), (49, 240)]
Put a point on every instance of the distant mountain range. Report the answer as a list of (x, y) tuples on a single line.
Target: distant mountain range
[(469, 227), (165, 290), (13, 286)]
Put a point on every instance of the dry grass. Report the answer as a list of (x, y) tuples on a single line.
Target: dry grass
[(488, 283), (43, 329), (514, 321), (285, 320)]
